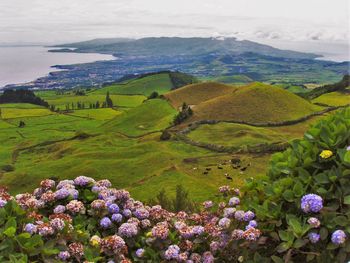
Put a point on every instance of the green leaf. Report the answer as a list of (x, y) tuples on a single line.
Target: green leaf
[(288, 195), (277, 259), (283, 247), (10, 231), (347, 200)]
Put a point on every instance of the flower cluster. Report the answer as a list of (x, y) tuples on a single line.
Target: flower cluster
[(124, 229)]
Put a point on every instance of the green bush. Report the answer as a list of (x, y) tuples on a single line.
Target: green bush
[(318, 164)]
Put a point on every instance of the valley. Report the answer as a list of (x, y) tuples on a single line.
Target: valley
[(79, 135)]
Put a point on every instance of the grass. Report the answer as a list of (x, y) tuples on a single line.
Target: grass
[(152, 115), (60, 101), (334, 98), (143, 166), (255, 103), (197, 93), (160, 83), (124, 143), (240, 135), (97, 114), (11, 112)]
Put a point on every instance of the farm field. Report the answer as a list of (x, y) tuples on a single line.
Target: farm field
[(123, 143), (334, 98)]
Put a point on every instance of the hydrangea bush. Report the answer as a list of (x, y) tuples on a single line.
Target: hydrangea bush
[(303, 204), (83, 220)]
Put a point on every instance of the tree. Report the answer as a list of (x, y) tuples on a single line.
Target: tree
[(153, 95), (109, 101), (97, 105), (21, 124), (165, 135)]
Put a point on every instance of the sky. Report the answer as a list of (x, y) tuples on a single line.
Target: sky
[(62, 21)]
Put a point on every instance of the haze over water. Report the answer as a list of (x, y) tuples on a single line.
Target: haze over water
[(27, 63)]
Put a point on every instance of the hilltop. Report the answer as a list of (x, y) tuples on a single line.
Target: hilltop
[(255, 103), (197, 93), (145, 84)]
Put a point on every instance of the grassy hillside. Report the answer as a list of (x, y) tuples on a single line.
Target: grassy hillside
[(197, 93), (256, 103), (60, 101), (146, 84), (152, 115), (336, 98), (235, 79), (240, 135)]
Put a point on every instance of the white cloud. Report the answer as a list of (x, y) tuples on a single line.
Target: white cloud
[(74, 20)]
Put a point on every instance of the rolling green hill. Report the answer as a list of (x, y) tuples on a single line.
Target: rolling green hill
[(145, 85), (197, 93), (255, 103), (152, 115)]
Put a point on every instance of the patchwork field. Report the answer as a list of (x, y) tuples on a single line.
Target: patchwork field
[(123, 143)]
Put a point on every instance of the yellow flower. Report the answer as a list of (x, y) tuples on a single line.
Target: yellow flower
[(95, 241), (325, 154), (149, 234)]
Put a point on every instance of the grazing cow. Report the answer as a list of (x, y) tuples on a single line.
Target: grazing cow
[(219, 167), (229, 178), (205, 173), (208, 169), (243, 168)]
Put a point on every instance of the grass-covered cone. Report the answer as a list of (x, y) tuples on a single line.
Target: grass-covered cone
[(303, 204)]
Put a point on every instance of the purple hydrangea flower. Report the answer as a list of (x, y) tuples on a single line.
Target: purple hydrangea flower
[(229, 212), (140, 252), (62, 193), (113, 208), (127, 213), (172, 252), (105, 222), (252, 224), (348, 148), (64, 255), (314, 237), (2, 203), (30, 228), (314, 222), (224, 222), (239, 215), (234, 201), (311, 203), (117, 218), (198, 230), (208, 257), (83, 180), (249, 215), (141, 213), (338, 237), (128, 230), (59, 209)]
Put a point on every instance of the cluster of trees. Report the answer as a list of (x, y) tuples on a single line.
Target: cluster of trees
[(181, 201), (108, 103), (185, 113), (21, 96)]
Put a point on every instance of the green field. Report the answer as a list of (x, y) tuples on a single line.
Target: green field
[(153, 115), (240, 135), (123, 143), (334, 98), (160, 83)]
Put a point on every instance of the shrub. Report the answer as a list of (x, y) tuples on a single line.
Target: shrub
[(318, 164), (166, 135), (83, 220)]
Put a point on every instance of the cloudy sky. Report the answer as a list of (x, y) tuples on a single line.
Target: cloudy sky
[(60, 21)]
